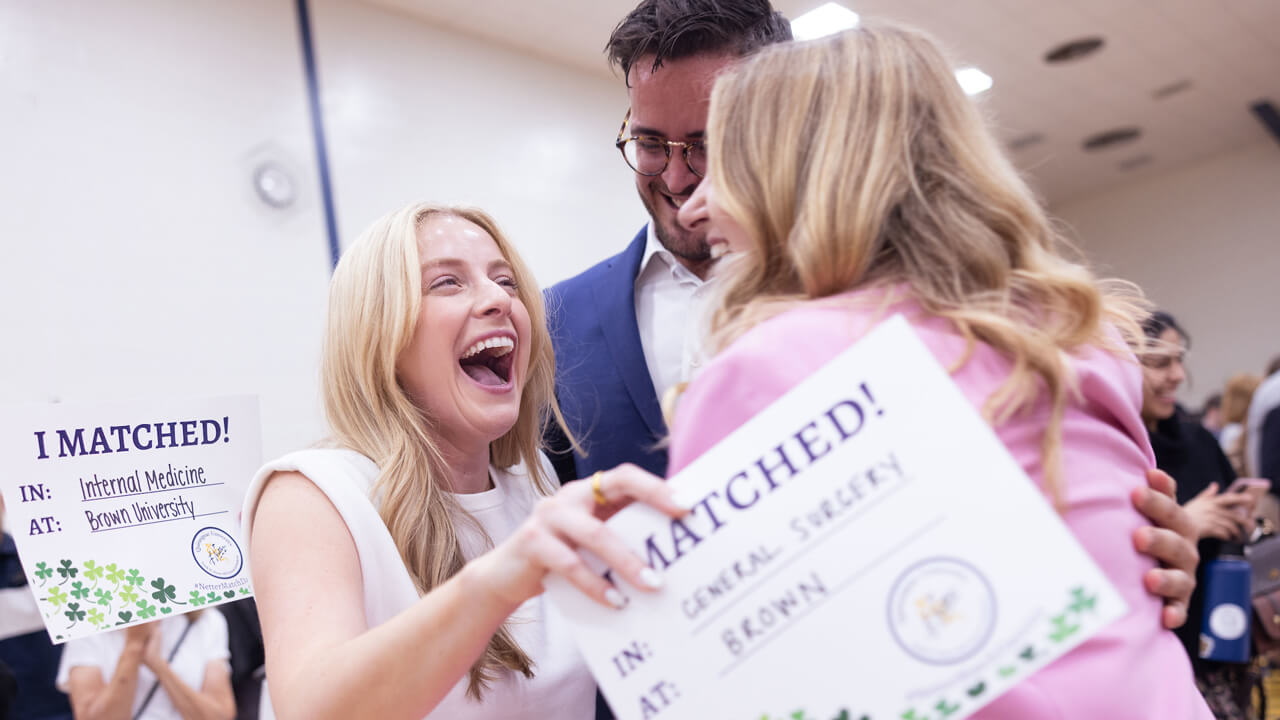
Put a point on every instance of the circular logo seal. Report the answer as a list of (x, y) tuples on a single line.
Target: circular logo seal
[(217, 553), (942, 611), (1228, 621)]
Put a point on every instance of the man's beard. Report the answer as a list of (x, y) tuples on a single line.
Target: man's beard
[(682, 243)]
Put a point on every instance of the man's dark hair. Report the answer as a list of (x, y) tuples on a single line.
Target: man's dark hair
[(1159, 321), (674, 29)]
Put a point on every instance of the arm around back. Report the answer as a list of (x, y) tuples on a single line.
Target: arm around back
[(1269, 449)]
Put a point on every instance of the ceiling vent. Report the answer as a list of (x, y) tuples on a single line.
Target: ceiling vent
[(1112, 138), (1022, 142), (1171, 89), (1074, 50), (1268, 115)]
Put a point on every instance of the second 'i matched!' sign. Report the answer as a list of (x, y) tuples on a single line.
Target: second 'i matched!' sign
[(847, 556), (127, 513)]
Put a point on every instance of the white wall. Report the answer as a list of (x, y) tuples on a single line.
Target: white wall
[(1203, 241), (414, 112), (138, 261)]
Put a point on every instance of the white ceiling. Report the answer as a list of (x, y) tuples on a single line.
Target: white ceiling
[(1229, 50)]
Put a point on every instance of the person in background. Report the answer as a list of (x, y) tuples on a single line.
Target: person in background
[(1211, 414), (399, 573), (850, 179), (1262, 444), (248, 657), (1235, 409), (1186, 450), (8, 690), (174, 668), (25, 648)]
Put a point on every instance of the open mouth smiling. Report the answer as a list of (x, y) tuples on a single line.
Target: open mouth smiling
[(488, 362)]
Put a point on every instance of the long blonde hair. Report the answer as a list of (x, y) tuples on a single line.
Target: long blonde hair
[(856, 160), (374, 300)]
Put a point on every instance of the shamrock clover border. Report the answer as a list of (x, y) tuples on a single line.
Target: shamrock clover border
[(1062, 627), (111, 596)]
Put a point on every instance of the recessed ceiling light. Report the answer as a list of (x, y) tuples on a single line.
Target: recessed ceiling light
[(973, 81), (1111, 138), (1074, 50), (823, 20)]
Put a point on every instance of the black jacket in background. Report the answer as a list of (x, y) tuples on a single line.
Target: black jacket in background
[(1190, 453)]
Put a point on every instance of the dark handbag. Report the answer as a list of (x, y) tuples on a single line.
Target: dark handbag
[(1264, 563)]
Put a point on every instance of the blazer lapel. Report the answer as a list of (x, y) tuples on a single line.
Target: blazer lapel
[(614, 292)]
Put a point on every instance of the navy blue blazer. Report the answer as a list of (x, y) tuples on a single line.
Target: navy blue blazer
[(602, 381)]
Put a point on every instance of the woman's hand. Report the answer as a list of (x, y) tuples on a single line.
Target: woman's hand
[(147, 643), (95, 697), (1218, 515), (153, 652), (573, 519), (137, 638)]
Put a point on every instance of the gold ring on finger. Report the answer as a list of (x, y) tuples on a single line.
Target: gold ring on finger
[(596, 491)]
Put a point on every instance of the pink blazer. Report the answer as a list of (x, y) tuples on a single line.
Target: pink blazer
[(1133, 668)]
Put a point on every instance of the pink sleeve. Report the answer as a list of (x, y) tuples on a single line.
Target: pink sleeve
[(1112, 390)]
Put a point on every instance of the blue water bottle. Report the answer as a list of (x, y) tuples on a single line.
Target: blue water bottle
[(1224, 628)]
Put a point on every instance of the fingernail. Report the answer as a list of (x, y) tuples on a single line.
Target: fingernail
[(615, 598), (651, 579)]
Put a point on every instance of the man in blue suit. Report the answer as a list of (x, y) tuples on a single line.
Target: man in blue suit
[(625, 330)]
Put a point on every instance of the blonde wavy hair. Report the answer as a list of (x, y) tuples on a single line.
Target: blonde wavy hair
[(374, 300), (1238, 395), (855, 161)]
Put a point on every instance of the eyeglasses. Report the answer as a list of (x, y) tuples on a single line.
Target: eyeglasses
[(649, 155)]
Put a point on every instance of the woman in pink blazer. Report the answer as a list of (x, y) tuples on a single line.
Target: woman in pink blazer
[(850, 179)]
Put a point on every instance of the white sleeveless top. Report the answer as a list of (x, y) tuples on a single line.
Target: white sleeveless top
[(561, 686)]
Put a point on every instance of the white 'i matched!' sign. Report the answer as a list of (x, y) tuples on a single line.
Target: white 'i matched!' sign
[(126, 513), (844, 559)]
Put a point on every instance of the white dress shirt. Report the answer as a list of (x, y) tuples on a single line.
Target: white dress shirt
[(671, 315)]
